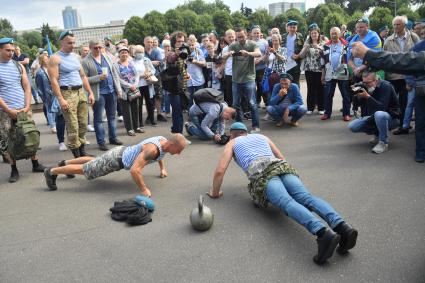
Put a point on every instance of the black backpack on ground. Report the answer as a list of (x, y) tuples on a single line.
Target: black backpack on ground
[(131, 212)]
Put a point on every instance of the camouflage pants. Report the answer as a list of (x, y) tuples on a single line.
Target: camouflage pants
[(104, 164), (75, 117), (5, 125)]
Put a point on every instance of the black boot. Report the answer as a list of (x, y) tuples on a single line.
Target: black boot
[(75, 152), (50, 179), (14, 175), (37, 167), (326, 246), (83, 151), (348, 238), (61, 164)]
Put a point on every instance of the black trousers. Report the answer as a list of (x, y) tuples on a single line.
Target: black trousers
[(259, 74), (150, 106), (314, 90), (400, 89), (228, 96), (130, 113)]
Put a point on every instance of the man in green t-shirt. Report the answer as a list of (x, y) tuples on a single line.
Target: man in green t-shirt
[(243, 52)]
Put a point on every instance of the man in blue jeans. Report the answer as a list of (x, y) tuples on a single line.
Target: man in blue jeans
[(273, 180), (105, 84), (286, 101), (379, 107)]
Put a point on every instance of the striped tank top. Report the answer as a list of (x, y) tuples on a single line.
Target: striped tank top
[(69, 69), (11, 90), (130, 153), (248, 148)]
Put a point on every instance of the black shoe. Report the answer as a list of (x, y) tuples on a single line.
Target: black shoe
[(14, 176), (161, 118), (419, 159), (61, 164), (116, 142), (38, 169), (103, 147), (83, 152), (50, 180), (348, 239), (186, 126), (401, 131), (75, 152), (326, 246)]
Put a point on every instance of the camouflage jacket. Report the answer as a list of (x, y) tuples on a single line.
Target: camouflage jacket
[(299, 42)]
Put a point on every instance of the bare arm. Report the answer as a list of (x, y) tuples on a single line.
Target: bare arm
[(223, 163), (150, 152), (27, 90), (163, 172), (53, 71), (87, 86), (275, 150)]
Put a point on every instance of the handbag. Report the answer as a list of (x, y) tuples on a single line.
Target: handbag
[(152, 79), (132, 95)]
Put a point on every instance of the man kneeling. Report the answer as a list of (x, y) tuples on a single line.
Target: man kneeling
[(286, 101), (207, 120), (273, 180), (133, 158)]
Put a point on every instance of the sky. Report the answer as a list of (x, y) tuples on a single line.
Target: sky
[(30, 14)]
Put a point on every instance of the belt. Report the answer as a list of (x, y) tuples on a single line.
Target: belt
[(75, 87)]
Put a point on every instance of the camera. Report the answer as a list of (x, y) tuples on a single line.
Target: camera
[(184, 51), (358, 88), (190, 59), (237, 53)]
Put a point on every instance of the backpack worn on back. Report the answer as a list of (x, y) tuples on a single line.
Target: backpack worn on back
[(208, 95), (24, 138)]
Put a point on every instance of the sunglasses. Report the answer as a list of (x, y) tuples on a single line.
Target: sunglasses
[(97, 47)]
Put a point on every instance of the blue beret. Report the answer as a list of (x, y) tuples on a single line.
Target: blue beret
[(292, 23), (65, 33), (6, 40), (363, 20), (383, 28), (238, 126), (313, 26), (286, 76)]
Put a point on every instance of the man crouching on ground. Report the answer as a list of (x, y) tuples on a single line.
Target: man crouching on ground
[(133, 158), (273, 180)]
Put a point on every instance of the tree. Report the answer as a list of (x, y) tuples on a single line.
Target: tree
[(421, 11), (6, 29), (351, 23), (173, 20), (379, 18), (279, 22), (33, 38), (245, 11), (136, 29), (332, 20), (205, 24), (239, 20), (156, 22), (221, 21), (53, 37), (295, 14), (260, 17), (411, 15), (190, 22)]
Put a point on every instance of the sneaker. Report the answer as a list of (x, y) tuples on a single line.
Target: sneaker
[(347, 118), (294, 123), (53, 130), (380, 147), (247, 115), (374, 140), (401, 131), (105, 120), (419, 159), (62, 146), (325, 117), (39, 168), (169, 115), (140, 130), (87, 142), (255, 130), (103, 147), (326, 246), (14, 176), (131, 133), (116, 142), (309, 112), (348, 239), (266, 117), (321, 112), (90, 128), (50, 179), (188, 142), (161, 118), (186, 126), (120, 118), (280, 123)]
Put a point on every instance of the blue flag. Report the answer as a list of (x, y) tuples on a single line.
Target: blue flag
[(49, 47)]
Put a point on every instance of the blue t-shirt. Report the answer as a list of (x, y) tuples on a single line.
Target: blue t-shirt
[(105, 86), (263, 45), (290, 45), (195, 72)]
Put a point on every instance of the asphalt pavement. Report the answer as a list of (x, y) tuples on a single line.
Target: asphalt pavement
[(68, 235)]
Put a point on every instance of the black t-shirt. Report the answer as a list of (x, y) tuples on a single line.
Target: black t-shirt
[(21, 58)]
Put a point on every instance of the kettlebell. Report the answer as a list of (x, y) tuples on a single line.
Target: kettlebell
[(201, 217)]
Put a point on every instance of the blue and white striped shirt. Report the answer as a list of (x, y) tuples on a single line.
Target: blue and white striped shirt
[(130, 153), (250, 147), (11, 90)]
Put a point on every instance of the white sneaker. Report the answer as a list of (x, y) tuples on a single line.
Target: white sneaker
[(87, 142), (321, 112), (374, 140), (255, 131), (266, 117), (309, 112), (380, 147), (53, 130), (120, 118), (90, 128), (62, 147)]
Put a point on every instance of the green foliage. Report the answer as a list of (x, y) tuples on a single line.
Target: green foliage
[(409, 13), (280, 22), (260, 17), (190, 22), (245, 11), (135, 30), (174, 20), (295, 14), (201, 7), (379, 18), (53, 36), (6, 29), (421, 12), (221, 21), (351, 23), (332, 20), (238, 20), (32, 38), (156, 22)]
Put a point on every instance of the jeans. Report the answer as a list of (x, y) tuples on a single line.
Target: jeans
[(420, 126), (177, 113), (195, 126), (109, 103), (289, 194), (276, 111), (50, 116), (166, 102), (384, 123), (60, 127), (247, 90), (409, 108), (259, 74), (400, 89), (329, 95)]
